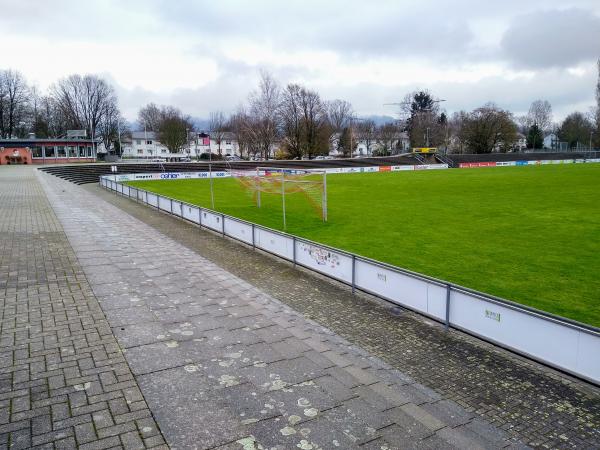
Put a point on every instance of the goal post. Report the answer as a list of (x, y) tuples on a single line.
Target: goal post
[(311, 183)]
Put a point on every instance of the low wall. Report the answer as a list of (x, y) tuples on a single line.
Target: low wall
[(552, 340)]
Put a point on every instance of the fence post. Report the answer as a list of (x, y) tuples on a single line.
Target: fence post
[(171, 206), (294, 250), (447, 324), (253, 243), (200, 216), (223, 224), (353, 273)]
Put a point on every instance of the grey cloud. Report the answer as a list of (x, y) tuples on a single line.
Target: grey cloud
[(566, 93), (557, 38)]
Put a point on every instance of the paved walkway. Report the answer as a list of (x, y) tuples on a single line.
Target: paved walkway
[(214, 361), (538, 405), (63, 378)]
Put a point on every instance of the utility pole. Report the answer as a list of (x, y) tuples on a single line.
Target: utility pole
[(119, 137)]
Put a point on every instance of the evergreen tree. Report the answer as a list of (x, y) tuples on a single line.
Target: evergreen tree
[(535, 138)]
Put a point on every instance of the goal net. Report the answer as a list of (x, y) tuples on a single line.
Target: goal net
[(311, 184)]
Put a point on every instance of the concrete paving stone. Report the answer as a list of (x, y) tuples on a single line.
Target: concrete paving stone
[(448, 412), (156, 301), (278, 433), (351, 422), (140, 334), (334, 388), (20, 439), (304, 401), (165, 355), (370, 415), (272, 334), (279, 374), (291, 347), (249, 404), (423, 416), (362, 376), (222, 337), (409, 425), (129, 316), (343, 377), (188, 414), (375, 398)]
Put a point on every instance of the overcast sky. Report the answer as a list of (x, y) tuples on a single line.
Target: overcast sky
[(204, 56)]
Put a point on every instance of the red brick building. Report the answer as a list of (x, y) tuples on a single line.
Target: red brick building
[(46, 151)]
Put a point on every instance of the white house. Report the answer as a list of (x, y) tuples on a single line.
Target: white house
[(521, 142), (145, 145), (551, 141), (400, 143), (202, 142)]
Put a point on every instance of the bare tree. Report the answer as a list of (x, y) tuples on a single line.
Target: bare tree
[(346, 144), (315, 123), (597, 130), (457, 132), (112, 127), (217, 125), (367, 133), (150, 117), (13, 103), (84, 101), (489, 129), (292, 119), (388, 137), (264, 105), (540, 114), (340, 113), (174, 128), (241, 125), (304, 121)]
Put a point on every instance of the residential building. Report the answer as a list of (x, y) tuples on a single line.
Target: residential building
[(400, 143), (521, 142), (146, 145)]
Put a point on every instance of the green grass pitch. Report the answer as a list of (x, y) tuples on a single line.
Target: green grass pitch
[(529, 234)]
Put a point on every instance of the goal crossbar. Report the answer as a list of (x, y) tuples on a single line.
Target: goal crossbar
[(282, 181)]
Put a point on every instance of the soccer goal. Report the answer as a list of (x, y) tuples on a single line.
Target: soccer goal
[(312, 184)]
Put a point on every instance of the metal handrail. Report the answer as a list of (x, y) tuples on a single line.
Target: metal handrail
[(590, 329)]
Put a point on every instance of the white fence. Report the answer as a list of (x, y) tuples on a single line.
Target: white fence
[(556, 341)]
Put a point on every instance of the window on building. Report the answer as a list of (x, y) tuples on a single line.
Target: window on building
[(90, 151), (36, 151), (148, 142), (81, 151), (227, 142), (49, 151), (140, 151), (138, 142), (163, 151), (61, 151)]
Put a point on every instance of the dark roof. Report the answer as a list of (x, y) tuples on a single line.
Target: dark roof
[(30, 142)]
